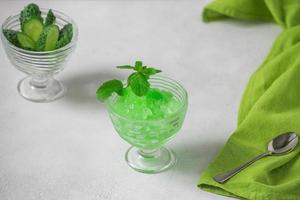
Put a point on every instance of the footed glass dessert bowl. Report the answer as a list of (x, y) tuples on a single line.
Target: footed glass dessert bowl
[(41, 66), (148, 122)]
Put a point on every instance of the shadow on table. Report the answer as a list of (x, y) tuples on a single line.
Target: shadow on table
[(193, 158), (82, 87)]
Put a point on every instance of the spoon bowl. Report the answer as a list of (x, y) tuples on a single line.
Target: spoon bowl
[(283, 143)]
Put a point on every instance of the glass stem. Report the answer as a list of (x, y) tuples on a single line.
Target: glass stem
[(149, 153), (39, 80)]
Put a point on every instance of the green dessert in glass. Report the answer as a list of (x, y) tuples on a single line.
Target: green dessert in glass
[(146, 111)]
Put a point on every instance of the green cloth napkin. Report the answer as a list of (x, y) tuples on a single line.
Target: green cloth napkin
[(270, 106)]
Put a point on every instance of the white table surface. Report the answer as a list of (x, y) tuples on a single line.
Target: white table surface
[(69, 150)]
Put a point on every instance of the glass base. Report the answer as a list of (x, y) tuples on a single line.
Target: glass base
[(150, 161), (51, 91)]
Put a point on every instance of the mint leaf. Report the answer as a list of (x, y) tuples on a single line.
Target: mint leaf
[(125, 67), (138, 83), (138, 66), (108, 88), (150, 71)]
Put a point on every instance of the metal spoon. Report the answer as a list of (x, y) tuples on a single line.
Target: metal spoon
[(282, 144)]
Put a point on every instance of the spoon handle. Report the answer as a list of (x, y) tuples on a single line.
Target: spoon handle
[(222, 178)]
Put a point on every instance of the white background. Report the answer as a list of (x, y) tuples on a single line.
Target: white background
[(69, 150)]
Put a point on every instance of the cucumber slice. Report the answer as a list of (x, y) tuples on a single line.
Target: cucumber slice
[(52, 38), (33, 28), (11, 36), (50, 19), (48, 38), (25, 41), (65, 36)]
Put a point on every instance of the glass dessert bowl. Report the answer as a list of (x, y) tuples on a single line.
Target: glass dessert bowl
[(148, 122), (40, 66)]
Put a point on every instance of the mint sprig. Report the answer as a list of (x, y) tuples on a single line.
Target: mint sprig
[(138, 81)]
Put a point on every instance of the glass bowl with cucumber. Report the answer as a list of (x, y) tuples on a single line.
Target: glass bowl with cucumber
[(39, 42)]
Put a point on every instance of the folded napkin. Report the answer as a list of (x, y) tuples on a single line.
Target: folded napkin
[(270, 106)]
